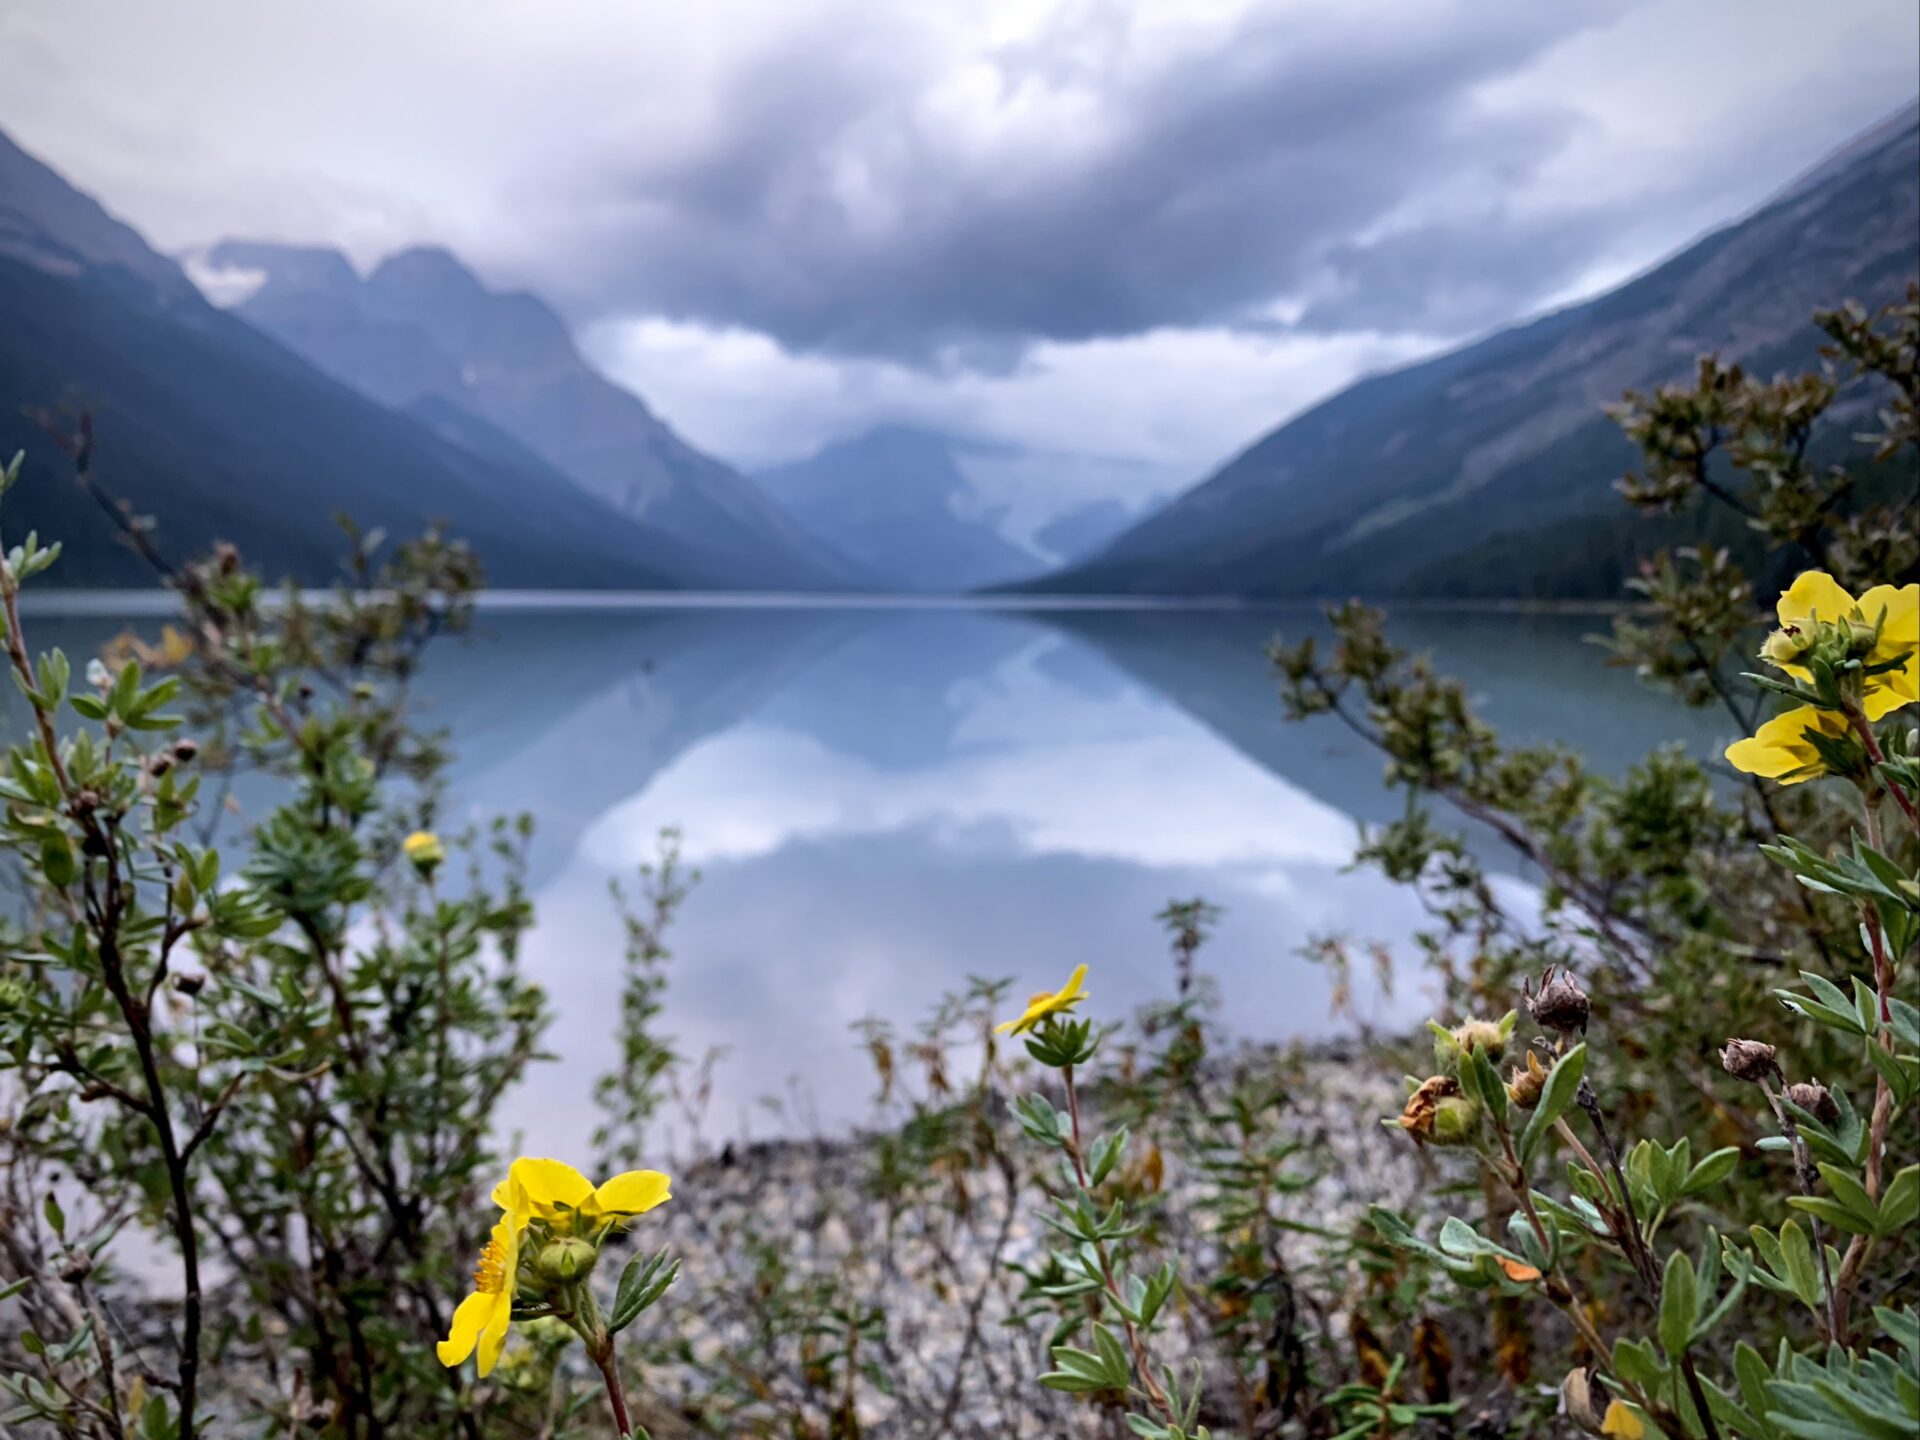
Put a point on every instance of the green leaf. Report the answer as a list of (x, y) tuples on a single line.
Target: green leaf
[(1563, 1085), (56, 860), (1831, 1211), (643, 1282), (1850, 1193), (1679, 1304), (1750, 1369), (1711, 1171), (1900, 1202)]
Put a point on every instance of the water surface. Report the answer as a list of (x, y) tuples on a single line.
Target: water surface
[(883, 802)]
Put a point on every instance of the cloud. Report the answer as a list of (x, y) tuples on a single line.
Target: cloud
[(863, 192), (979, 212), (1166, 404)]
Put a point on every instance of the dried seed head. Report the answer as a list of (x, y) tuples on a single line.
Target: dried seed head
[(75, 1266), (1749, 1060), (1438, 1113), (1577, 1401), (1527, 1083), (189, 984), (1560, 1005), (1814, 1098), (184, 750)]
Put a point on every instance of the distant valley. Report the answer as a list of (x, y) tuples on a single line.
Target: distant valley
[(901, 503)]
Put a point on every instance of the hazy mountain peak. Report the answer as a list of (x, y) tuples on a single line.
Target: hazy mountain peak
[(429, 273), (895, 499), (278, 266)]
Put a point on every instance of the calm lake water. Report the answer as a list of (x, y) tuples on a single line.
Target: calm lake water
[(883, 802)]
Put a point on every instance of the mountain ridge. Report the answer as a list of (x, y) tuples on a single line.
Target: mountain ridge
[(1401, 471), (422, 323), (218, 431)]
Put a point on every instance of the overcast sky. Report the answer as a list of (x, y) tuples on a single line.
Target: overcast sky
[(1140, 229)]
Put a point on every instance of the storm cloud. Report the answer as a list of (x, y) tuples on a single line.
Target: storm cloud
[(1146, 228), (1095, 179)]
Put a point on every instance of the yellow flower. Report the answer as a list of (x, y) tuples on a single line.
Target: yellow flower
[(1817, 597), (1781, 751), (555, 1192), (482, 1318), (1622, 1422), (1049, 1002), (424, 849)]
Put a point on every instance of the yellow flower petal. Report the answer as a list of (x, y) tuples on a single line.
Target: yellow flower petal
[(468, 1321), (1901, 603), (550, 1184), (511, 1196), (1899, 637), (1623, 1423), (1815, 595), (493, 1337), (634, 1193), (1076, 983), (1780, 747)]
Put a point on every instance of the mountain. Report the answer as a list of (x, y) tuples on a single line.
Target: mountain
[(422, 326), (897, 501), (1432, 479), (216, 430)]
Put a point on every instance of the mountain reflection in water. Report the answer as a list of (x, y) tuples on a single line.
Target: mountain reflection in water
[(885, 802)]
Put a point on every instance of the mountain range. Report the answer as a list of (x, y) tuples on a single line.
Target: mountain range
[(1443, 477), (422, 335), (416, 391), (214, 429)]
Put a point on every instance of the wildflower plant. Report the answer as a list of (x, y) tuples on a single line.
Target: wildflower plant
[(1101, 1299), (538, 1263)]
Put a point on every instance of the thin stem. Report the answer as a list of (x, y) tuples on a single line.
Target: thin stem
[(616, 1397), (1803, 1172), (1141, 1360), (1633, 1242)]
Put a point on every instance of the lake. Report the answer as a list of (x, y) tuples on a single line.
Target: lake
[(884, 801)]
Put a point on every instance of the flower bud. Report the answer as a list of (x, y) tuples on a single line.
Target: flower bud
[(1488, 1037), (185, 749), (1748, 1060), (1861, 635), (1814, 1098), (424, 849), (566, 1259), (1786, 646), (1438, 1113), (1527, 1083), (1561, 1005)]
